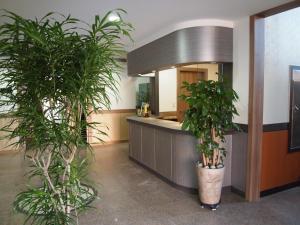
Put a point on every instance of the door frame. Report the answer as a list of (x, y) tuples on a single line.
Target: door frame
[(292, 68), (256, 91)]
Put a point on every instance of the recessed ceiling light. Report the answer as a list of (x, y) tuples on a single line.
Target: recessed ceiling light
[(147, 75), (113, 18)]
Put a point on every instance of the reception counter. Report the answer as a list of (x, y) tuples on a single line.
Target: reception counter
[(165, 149)]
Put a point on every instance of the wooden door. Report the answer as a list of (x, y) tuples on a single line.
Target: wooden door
[(191, 76)]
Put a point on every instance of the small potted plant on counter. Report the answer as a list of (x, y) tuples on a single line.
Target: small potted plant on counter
[(209, 117)]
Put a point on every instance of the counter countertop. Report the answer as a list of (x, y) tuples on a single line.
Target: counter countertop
[(157, 122), (172, 125)]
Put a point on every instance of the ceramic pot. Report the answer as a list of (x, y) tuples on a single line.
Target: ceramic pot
[(210, 183)]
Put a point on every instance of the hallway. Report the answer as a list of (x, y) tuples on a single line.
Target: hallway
[(130, 195)]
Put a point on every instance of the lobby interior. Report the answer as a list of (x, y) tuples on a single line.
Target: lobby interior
[(144, 171)]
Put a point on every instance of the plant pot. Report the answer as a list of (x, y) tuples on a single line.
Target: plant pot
[(210, 183)]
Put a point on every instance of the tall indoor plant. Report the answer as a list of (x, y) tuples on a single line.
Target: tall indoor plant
[(208, 118), (54, 72)]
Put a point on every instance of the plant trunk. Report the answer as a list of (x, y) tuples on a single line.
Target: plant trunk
[(68, 206)]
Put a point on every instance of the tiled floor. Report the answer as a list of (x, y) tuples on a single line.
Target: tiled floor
[(130, 195)]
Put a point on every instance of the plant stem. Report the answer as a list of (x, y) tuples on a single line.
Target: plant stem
[(204, 160)]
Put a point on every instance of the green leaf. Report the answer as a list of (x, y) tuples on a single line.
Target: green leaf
[(57, 71), (211, 107)]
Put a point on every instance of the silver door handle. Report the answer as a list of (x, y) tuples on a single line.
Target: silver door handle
[(297, 108)]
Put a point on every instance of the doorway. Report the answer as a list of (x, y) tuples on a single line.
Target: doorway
[(262, 143), (190, 75)]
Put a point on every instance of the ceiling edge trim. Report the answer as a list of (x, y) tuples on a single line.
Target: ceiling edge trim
[(179, 26)]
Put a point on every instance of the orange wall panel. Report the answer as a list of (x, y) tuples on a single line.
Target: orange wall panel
[(278, 166)]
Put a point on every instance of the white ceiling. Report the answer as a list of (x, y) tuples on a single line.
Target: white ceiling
[(147, 16)]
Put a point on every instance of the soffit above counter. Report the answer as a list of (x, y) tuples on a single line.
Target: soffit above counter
[(202, 44)]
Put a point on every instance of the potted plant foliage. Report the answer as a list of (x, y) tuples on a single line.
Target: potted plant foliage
[(54, 72), (208, 118)]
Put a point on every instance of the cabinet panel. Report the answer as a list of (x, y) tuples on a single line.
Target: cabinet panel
[(148, 140), (184, 159), (163, 153), (135, 141)]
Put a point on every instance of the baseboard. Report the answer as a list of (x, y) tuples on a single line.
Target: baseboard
[(243, 127), (182, 188), (275, 127), (237, 191), (179, 187), (279, 189)]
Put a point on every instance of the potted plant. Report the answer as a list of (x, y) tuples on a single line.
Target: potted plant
[(208, 118), (55, 71)]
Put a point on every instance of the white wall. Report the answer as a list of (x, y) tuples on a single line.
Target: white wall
[(4, 109), (241, 67), (168, 90), (127, 92), (282, 49)]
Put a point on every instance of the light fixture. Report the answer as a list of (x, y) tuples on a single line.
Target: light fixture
[(147, 75), (113, 17)]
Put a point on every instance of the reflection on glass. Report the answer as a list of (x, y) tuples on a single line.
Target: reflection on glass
[(143, 96)]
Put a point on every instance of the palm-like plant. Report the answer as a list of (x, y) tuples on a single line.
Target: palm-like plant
[(209, 117), (53, 71)]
